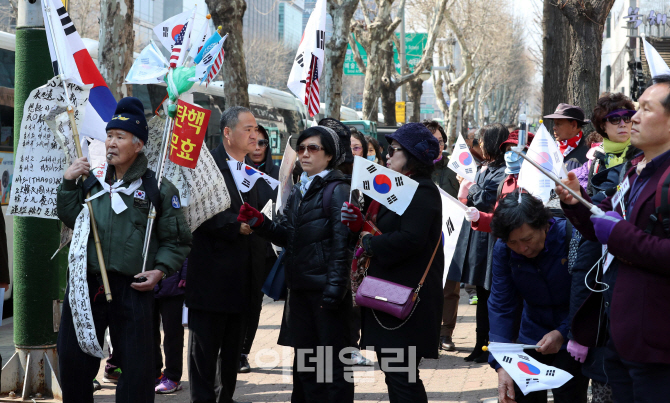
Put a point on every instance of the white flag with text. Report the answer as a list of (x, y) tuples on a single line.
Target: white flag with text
[(390, 188), (529, 374)]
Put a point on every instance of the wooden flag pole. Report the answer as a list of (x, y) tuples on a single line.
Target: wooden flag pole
[(77, 145)]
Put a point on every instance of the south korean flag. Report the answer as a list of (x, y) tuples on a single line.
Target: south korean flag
[(389, 188), (461, 160), (529, 374), (246, 176)]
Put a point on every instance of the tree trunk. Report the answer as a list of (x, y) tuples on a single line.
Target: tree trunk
[(452, 132), (388, 87), (115, 50), (336, 49), (556, 48), (373, 81), (229, 14), (584, 74), (415, 91)]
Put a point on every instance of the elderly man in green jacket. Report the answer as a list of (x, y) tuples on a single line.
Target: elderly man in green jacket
[(121, 193)]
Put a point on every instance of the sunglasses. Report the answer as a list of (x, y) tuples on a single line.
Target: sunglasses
[(615, 120), (263, 143), (313, 148), (392, 150), (356, 148)]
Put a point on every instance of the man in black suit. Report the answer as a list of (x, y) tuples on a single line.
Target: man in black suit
[(220, 266)]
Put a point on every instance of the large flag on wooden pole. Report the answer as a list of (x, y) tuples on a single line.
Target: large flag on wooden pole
[(308, 63)]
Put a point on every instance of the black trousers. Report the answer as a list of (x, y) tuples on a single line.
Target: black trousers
[(318, 336), (215, 342), (482, 315), (129, 317), (634, 382), (168, 311), (254, 314), (402, 377), (574, 391)]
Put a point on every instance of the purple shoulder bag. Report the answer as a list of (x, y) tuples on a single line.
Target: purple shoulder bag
[(395, 299)]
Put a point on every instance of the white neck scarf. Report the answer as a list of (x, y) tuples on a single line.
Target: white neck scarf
[(118, 204)]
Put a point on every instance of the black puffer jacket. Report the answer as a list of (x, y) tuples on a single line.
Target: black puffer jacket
[(318, 248)]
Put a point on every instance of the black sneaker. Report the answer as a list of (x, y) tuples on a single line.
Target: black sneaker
[(96, 384), (245, 368)]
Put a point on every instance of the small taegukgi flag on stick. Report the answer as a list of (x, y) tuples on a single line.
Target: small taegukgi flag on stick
[(461, 160), (246, 176), (529, 374), (308, 63), (211, 62), (390, 188)]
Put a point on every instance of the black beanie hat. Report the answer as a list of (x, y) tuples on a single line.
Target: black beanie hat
[(129, 116), (344, 135)]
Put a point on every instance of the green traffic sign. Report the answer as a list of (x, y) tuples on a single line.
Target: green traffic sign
[(414, 45)]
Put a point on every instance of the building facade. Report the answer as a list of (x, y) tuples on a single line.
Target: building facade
[(623, 63), (261, 20), (290, 23)]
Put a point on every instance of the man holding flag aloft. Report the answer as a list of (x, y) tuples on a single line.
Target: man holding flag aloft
[(121, 192)]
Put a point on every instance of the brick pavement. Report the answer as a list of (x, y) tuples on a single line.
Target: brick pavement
[(448, 379)]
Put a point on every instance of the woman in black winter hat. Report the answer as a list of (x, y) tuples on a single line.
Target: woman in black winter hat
[(401, 254)]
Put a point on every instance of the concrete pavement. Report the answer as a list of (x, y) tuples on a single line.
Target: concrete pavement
[(448, 379)]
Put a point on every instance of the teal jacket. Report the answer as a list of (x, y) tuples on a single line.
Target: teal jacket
[(122, 235)]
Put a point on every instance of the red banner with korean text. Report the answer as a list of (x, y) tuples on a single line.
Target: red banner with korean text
[(190, 127)]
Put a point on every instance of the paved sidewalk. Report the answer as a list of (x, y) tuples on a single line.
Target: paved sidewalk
[(449, 379)]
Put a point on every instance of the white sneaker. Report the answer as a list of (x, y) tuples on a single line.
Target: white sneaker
[(358, 359)]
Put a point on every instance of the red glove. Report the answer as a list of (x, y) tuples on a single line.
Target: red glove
[(250, 216), (351, 217)]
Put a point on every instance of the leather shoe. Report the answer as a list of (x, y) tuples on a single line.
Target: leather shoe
[(245, 368), (446, 344)]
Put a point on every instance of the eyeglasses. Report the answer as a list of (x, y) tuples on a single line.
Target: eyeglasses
[(356, 148), (441, 143), (615, 120), (313, 148), (392, 150), (263, 143)]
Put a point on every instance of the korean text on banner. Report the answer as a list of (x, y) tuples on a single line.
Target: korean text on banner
[(40, 159), (529, 374), (390, 188), (545, 152), (190, 127), (461, 160), (453, 216)]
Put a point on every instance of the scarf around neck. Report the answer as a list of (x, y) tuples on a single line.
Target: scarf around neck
[(306, 180), (615, 152), (566, 146)]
